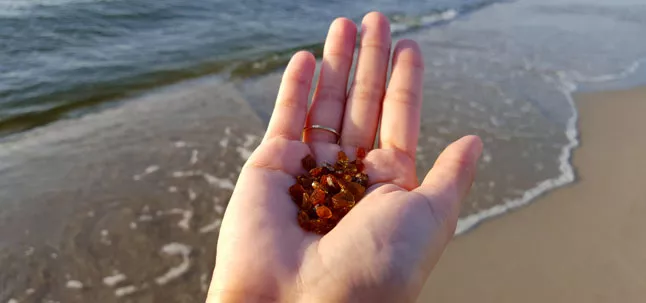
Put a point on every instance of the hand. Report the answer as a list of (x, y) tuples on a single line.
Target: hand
[(384, 249)]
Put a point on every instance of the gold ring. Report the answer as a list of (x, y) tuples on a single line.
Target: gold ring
[(325, 128)]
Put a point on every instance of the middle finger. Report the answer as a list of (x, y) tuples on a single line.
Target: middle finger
[(366, 93)]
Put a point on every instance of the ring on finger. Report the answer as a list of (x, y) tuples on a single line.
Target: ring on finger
[(325, 128)]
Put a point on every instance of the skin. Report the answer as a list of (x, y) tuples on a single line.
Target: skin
[(386, 247)]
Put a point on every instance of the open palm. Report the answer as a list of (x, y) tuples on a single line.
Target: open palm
[(385, 247)]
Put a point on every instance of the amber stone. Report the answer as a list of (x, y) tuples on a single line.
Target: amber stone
[(323, 212), (361, 153), (296, 191), (325, 194), (342, 200), (342, 157), (318, 171), (359, 165), (356, 189), (305, 181), (329, 181), (317, 197), (306, 202), (305, 222)]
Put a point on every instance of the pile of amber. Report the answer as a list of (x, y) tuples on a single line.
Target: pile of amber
[(327, 193)]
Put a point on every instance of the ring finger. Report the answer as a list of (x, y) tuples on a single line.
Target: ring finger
[(328, 102)]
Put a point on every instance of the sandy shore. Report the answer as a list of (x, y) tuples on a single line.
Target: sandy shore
[(582, 243)]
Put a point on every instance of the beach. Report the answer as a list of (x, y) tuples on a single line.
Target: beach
[(119, 152), (581, 243)]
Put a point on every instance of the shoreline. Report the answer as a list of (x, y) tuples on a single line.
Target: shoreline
[(256, 64), (107, 192), (568, 246)]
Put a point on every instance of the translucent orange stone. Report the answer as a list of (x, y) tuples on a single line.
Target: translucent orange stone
[(361, 153), (304, 220), (356, 189), (304, 181), (296, 191), (323, 212), (342, 157), (317, 197), (342, 200), (318, 171), (325, 194), (306, 202), (359, 165)]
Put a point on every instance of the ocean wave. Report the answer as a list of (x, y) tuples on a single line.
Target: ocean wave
[(13, 8), (41, 109), (567, 84)]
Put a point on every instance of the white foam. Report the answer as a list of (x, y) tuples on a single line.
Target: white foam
[(213, 226), (187, 215), (149, 170), (222, 183), (486, 157), (172, 189), (187, 173), (133, 225), (224, 142), (185, 223), (578, 77), (249, 140), (12, 300), (567, 85), (124, 291), (14, 8), (74, 284), (115, 279), (29, 251), (104, 237), (218, 209), (428, 20), (179, 144), (174, 249), (30, 291), (244, 153), (191, 194), (194, 158), (204, 282), (145, 218)]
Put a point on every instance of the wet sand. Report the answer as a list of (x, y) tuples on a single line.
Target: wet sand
[(582, 243), (124, 205)]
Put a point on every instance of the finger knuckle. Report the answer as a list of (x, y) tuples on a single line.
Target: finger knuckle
[(338, 56), (290, 103), (330, 93), (365, 91), (405, 97), (382, 49)]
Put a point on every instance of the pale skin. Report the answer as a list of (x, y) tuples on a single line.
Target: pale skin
[(385, 248)]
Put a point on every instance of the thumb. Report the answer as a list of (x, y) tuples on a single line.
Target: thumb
[(450, 179)]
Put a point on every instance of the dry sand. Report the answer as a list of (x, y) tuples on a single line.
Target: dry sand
[(582, 243)]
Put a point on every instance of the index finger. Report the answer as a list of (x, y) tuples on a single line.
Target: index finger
[(288, 117)]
